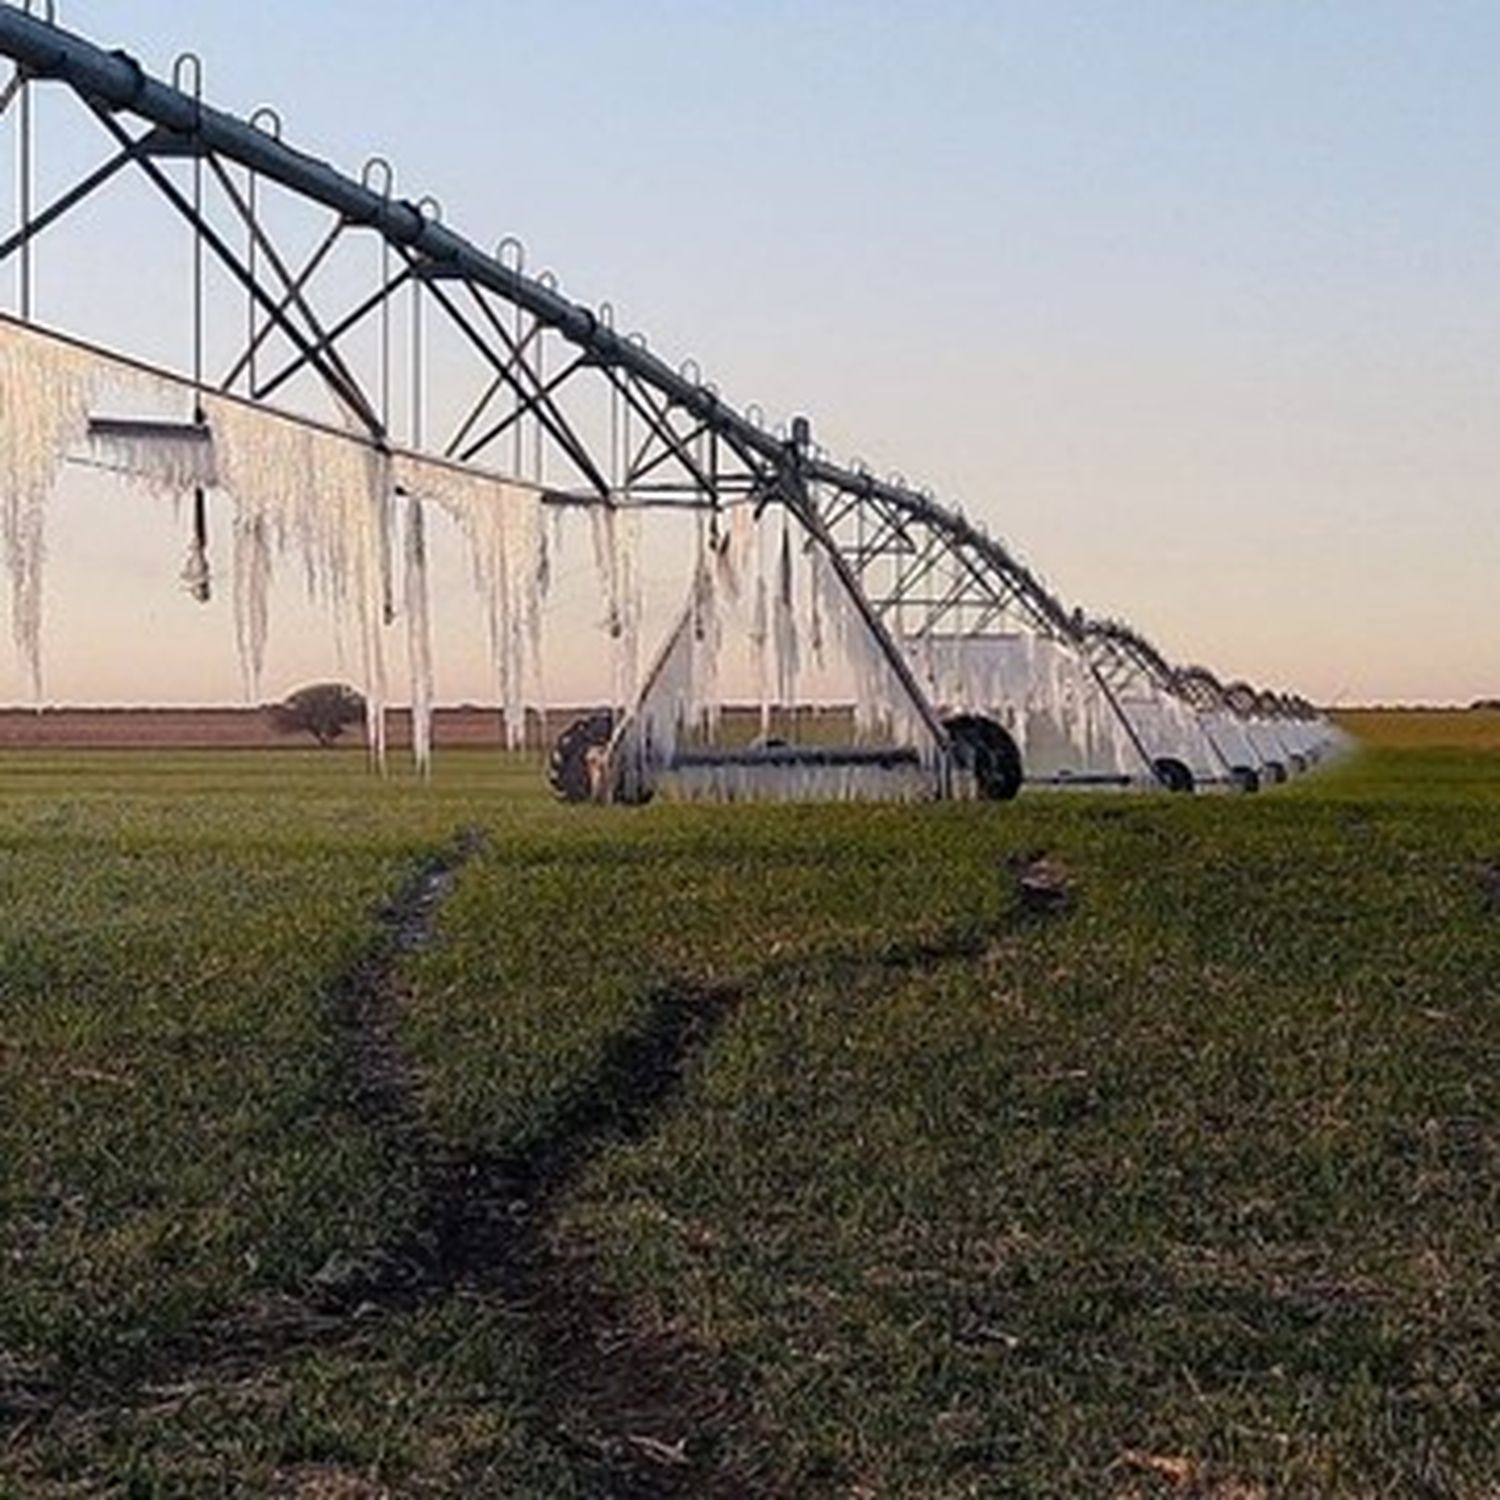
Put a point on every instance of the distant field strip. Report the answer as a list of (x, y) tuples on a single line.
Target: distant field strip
[(1425, 728), (745, 1150)]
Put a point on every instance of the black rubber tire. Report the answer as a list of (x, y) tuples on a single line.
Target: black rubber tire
[(1246, 778), (1297, 764), (984, 747), (1174, 775), (1274, 772), (568, 770)]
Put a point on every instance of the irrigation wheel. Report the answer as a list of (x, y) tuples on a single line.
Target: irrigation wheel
[(984, 747), (1173, 774), (571, 765)]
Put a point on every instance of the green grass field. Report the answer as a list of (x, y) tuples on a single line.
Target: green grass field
[(366, 1138)]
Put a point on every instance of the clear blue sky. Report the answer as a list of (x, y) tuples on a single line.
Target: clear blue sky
[(1196, 302)]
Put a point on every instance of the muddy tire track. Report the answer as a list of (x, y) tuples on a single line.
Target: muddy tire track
[(370, 1079), (640, 1413)]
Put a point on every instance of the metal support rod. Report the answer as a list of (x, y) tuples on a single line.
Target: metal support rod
[(523, 408), (657, 424), (75, 195), (486, 399), (379, 298), (23, 189), (247, 360)]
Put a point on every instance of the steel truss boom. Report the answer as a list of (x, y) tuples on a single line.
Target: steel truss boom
[(119, 83), (913, 566)]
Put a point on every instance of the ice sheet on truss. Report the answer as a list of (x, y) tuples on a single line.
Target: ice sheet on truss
[(1232, 739), (1266, 736), (680, 701), (46, 387), (1041, 691), (1171, 729), (325, 496), (883, 710)]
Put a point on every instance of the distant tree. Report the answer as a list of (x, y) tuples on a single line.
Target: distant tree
[(1487, 705), (322, 709)]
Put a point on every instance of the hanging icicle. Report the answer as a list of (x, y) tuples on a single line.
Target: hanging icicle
[(536, 596), (506, 535), (252, 584), (705, 701), (45, 391), (419, 636), (386, 523), (816, 628), (197, 578), (784, 628), (602, 535), (760, 652), (627, 570)]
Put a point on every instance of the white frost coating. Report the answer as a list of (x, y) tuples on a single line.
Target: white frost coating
[(506, 535), (1042, 691), (298, 486), (730, 782), (45, 390), (419, 636)]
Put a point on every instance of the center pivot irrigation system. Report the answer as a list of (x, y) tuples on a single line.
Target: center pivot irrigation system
[(370, 365)]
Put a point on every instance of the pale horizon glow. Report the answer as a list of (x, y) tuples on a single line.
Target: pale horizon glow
[(1192, 304)]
